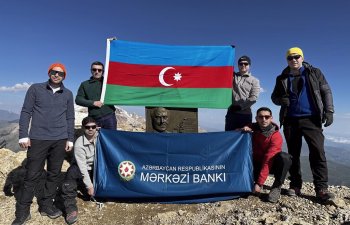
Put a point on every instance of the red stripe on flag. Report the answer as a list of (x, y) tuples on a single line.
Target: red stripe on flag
[(187, 76)]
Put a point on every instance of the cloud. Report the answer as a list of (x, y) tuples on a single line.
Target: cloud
[(17, 87), (340, 140), (347, 115), (262, 90)]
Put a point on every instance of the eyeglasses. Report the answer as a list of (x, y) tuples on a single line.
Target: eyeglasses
[(88, 127), (98, 70), (264, 117), (54, 72), (291, 57), (245, 64)]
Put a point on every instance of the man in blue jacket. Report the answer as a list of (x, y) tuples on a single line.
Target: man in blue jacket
[(48, 110), (306, 102)]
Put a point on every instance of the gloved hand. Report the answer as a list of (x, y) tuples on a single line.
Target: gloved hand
[(327, 119), (285, 101)]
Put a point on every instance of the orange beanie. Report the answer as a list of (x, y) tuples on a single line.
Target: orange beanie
[(57, 65)]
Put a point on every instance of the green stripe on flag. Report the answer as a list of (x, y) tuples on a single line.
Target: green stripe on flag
[(219, 98)]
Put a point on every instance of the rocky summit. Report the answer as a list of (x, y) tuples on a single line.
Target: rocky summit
[(252, 209)]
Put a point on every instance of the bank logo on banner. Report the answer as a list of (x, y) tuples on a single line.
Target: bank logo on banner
[(126, 170)]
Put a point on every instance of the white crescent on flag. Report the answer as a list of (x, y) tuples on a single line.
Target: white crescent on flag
[(161, 76)]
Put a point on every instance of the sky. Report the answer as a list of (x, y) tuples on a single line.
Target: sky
[(35, 34)]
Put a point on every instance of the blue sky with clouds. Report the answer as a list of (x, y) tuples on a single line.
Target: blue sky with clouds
[(36, 33)]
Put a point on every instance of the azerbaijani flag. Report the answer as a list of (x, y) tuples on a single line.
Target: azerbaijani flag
[(169, 76)]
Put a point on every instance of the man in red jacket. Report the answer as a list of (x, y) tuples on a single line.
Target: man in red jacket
[(268, 157)]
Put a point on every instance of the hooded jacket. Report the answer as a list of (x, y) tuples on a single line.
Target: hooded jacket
[(321, 93), (266, 144)]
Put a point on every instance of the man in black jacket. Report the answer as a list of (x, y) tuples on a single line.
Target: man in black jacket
[(306, 102)]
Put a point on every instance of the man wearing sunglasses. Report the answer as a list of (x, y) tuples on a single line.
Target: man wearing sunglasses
[(268, 157), (81, 169), (48, 110), (89, 94), (245, 92), (306, 102)]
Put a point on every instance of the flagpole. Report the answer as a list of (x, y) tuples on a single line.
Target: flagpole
[(105, 74)]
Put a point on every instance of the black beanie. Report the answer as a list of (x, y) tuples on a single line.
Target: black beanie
[(244, 58)]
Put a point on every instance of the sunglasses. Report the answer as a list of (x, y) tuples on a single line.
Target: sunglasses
[(291, 57), (88, 127), (54, 72), (245, 64), (98, 70), (265, 117)]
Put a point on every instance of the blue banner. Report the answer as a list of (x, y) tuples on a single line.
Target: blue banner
[(173, 167)]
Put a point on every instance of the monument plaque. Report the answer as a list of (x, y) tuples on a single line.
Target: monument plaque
[(178, 120)]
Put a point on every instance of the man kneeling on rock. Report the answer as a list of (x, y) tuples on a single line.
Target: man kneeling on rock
[(81, 169), (268, 157)]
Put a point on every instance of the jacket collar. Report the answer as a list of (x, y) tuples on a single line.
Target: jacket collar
[(92, 80), (47, 84), (266, 132), (86, 142)]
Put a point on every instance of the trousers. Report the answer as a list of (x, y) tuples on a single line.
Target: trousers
[(51, 151), (311, 129)]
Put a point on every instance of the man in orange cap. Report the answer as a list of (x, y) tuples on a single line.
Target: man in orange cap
[(306, 102), (48, 109)]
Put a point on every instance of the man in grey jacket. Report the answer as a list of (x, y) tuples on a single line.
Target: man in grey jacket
[(48, 110), (81, 169), (245, 92)]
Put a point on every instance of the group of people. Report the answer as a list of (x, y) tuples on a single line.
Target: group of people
[(301, 90), (306, 103)]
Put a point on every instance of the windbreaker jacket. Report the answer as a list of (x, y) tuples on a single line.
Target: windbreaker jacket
[(320, 91), (265, 147), (245, 91), (84, 153)]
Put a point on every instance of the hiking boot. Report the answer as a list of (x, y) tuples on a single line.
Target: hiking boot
[(51, 211), (274, 194), (19, 220), (72, 217), (324, 195), (293, 192)]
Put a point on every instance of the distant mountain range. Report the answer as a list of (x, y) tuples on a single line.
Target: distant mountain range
[(338, 159), (8, 116)]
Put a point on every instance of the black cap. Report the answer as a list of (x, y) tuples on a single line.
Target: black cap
[(244, 58)]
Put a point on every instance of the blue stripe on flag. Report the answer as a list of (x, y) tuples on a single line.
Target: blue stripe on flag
[(155, 54)]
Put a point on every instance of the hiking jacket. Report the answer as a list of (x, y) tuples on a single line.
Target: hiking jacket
[(245, 91), (50, 115), (84, 153), (90, 91), (321, 93), (265, 146)]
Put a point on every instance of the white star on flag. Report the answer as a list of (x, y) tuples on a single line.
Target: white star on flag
[(177, 76)]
